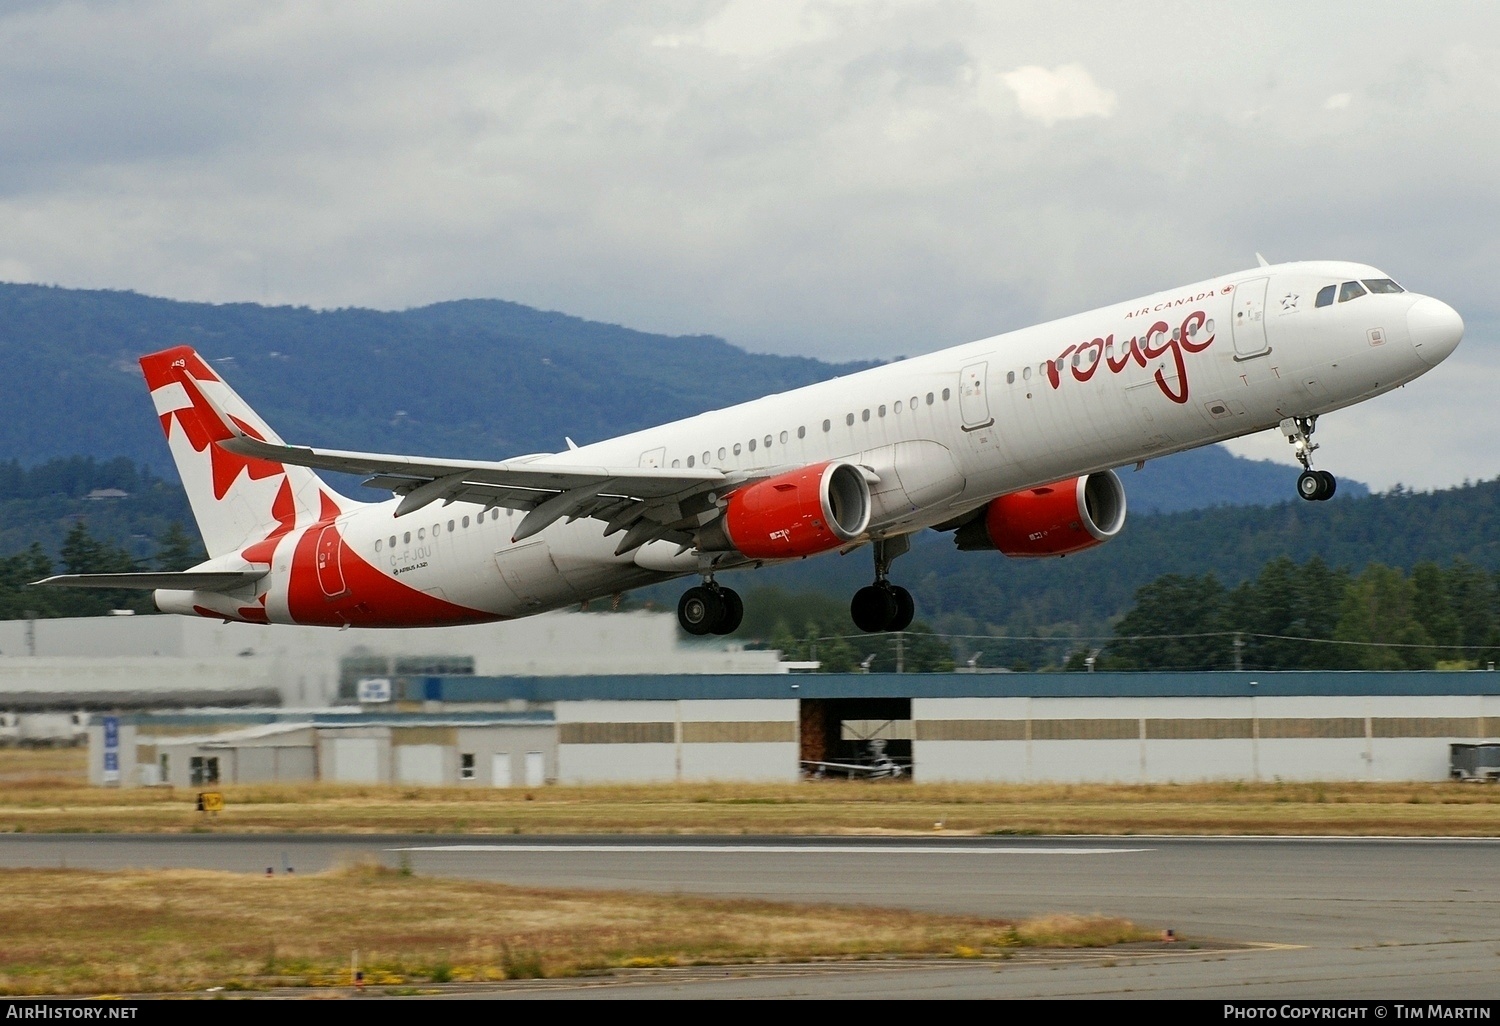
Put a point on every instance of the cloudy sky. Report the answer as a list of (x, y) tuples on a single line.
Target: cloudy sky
[(836, 179)]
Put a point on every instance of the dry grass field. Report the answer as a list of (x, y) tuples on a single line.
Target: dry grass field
[(75, 932), (43, 791)]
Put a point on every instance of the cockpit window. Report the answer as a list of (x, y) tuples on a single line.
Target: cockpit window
[(1325, 295), (1350, 290), (1382, 285)]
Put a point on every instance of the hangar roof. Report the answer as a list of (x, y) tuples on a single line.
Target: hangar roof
[(670, 687)]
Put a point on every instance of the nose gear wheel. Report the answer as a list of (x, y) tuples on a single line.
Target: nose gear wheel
[(1312, 485)]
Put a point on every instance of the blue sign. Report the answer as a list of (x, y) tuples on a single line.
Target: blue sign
[(111, 749)]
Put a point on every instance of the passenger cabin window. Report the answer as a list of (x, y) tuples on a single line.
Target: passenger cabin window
[(947, 393), (783, 436), (1382, 286), (752, 445), (828, 425), (768, 439), (864, 415), (736, 448), (676, 464), (802, 431), (691, 460), (377, 544), (1350, 290), (849, 419)]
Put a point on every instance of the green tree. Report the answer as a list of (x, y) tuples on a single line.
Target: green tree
[(1283, 605), (1378, 615), (1176, 624), (178, 550)]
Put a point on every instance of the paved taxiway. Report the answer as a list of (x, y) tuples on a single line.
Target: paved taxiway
[(1340, 918)]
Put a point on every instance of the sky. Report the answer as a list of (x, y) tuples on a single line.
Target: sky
[(840, 180)]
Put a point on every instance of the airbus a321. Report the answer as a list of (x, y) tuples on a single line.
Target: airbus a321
[(1007, 443)]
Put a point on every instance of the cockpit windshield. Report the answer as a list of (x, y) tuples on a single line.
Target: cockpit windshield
[(1354, 289)]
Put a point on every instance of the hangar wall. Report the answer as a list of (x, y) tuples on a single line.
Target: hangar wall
[(1127, 728), (1158, 740)]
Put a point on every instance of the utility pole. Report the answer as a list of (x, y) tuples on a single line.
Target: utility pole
[(900, 652), (1239, 652)]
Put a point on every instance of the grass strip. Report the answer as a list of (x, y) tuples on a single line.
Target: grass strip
[(134, 931), (44, 793)]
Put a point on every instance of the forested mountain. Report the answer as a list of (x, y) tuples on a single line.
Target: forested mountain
[(480, 379)]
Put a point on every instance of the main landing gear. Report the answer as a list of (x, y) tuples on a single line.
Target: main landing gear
[(884, 606), (710, 609), (1312, 485)]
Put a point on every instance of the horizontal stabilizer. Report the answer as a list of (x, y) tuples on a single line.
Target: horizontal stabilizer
[(190, 580)]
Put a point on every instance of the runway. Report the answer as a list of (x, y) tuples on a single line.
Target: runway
[(1380, 918)]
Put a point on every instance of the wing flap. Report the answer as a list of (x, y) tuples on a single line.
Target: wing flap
[(631, 482)]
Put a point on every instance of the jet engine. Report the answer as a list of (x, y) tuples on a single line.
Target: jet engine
[(799, 513), (1052, 520)]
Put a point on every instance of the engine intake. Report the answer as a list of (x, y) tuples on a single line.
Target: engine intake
[(1052, 520), (799, 513)]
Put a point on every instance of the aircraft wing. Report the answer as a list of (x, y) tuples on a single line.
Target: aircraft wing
[(188, 580), (648, 503)]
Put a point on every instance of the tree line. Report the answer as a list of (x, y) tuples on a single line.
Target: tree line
[(82, 553), (1310, 616)]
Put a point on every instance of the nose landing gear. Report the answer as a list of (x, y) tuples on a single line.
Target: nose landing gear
[(710, 609), (884, 606), (1312, 485)]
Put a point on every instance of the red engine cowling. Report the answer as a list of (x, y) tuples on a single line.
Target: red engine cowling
[(798, 513), (1052, 520)]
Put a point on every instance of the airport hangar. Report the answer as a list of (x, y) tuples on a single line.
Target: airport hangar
[(595, 697), (473, 731)]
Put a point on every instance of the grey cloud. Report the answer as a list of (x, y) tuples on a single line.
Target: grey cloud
[(857, 182)]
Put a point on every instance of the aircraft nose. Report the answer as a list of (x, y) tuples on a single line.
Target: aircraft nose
[(1436, 329)]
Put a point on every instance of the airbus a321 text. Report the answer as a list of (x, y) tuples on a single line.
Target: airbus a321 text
[(1007, 442)]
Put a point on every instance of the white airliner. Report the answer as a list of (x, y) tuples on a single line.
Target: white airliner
[(1007, 442)]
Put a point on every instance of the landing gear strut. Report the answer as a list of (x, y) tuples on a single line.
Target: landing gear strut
[(884, 606), (1312, 485), (710, 609)]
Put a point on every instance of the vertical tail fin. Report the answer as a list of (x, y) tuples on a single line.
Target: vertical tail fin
[(237, 500)]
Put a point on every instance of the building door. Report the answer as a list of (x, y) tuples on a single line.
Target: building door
[(500, 769), (419, 764), (356, 760), (536, 769), (1250, 319)]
